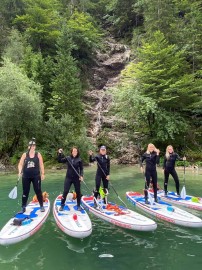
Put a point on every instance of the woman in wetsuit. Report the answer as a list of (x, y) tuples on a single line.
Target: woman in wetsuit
[(74, 175), (151, 158), (169, 168)]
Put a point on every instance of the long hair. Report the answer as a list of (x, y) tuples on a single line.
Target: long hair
[(78, 152), (150, 144), (167, 152)]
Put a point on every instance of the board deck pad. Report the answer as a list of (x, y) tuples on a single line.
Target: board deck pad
[(164, 211), (33, 220), (119, 215), (189, 201), (71, 221)]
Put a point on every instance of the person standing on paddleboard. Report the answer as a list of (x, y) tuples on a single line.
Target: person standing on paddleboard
[(103, 169), (151, 157), (169, 168), (31, 168), (74, 175)]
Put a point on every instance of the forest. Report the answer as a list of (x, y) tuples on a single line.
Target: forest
[(48, 49)]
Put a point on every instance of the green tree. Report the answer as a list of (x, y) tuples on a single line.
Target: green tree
[(66, 85), (187, 32), (158, 15), (40, 69), (162, 73), (40, 24), (10, 9), (15, 48), (85, 35), (37, 67), (122, 16), (159, 92), (4, 32), (20, 107), (180, 21), (60, 133)]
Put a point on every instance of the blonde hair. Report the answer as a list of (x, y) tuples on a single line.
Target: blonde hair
[(148, 146), (167, 152)]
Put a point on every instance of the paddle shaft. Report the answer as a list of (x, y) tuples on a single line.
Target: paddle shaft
[(82, 181), (111, 184), (184, 160), (73, 168), (18, 181), (13, 192), (93, 196)]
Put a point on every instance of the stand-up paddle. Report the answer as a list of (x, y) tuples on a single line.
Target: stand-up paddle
[(111, 184), (97, 203), (80, 177), (183, 191), (14, 192)]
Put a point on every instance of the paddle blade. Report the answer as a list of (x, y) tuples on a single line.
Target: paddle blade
[(183, 193), (151, 200), (14, 193)]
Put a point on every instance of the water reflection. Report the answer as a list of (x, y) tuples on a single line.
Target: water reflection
[(12, 253), (77, 245), (74, 244), (108, 247)]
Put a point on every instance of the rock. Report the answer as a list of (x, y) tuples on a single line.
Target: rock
[(98, 101), (2, 167)]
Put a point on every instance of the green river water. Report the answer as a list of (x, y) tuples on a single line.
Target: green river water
[(108, 247)]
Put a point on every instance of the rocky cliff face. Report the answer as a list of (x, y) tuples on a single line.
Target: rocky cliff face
[(104, 127)]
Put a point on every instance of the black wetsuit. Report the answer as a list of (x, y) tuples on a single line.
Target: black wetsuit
[(169, 168), (151, 159), (31, 173), (74, 170), (103, 169)]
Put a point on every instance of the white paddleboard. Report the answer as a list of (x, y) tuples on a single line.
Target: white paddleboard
[(189, 201), (165, 211), (119, 215), (71, 221), (11, 234)]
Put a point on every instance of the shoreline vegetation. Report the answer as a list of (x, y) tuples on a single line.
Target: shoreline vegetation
[(115, 73)]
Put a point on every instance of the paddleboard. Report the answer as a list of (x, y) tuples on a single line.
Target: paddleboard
[(165, 211), (32, 220), (172, 197), (71, 221), (119, 215)]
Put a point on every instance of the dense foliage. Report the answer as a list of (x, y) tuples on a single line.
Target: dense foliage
[(48, 46)]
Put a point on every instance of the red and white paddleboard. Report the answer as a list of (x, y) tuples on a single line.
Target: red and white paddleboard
[(33, 220), (71, 221), (189, 201), (119, 215), (165, 211)]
